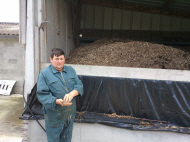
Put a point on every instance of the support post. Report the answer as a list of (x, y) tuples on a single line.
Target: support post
[(22, 21), (29, 52), (37, 54)]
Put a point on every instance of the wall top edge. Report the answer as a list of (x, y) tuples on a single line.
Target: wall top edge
[(129, 72)]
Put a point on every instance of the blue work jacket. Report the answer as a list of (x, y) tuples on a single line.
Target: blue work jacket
[(52, 85)]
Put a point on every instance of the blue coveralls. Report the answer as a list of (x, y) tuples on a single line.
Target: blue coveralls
[(52, 85)]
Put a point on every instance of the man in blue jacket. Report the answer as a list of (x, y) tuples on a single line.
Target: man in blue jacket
[(57, 88)]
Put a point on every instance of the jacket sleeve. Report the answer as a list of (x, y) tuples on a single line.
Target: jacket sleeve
[(78, 84), (44, 95)]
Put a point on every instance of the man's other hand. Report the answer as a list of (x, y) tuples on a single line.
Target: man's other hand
[(62, 102)]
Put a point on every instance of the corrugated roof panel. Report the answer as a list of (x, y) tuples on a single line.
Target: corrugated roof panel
[(154, 3), (181, 5)]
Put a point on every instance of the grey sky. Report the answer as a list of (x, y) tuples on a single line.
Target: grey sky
[(9, 11)]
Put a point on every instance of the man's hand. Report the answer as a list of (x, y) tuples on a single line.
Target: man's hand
[(62, 102), (68, 97)]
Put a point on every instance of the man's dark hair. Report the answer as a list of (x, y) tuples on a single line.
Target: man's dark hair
[(57, 52)]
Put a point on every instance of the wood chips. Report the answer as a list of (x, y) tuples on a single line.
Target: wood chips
[(126, 53)]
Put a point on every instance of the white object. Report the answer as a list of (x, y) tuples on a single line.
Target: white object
[(6, 86)]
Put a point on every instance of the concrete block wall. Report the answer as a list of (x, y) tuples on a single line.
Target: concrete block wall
[(12, 62)]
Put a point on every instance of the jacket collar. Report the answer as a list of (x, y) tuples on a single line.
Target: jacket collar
[(56, 71)]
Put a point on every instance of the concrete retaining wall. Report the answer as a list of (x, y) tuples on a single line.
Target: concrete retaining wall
[(84, 132), (130, 72), (12, 62)]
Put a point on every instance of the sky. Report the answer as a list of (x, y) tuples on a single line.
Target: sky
[(9, 11)]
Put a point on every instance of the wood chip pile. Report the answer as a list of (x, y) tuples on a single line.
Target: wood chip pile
[(126, 53)]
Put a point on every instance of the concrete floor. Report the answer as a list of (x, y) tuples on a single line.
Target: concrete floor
[(11, 129)]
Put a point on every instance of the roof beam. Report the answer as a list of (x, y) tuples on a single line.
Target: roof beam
[(167, 4), (136, 7)]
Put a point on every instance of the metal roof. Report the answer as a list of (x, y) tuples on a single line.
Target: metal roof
[(182, 5), (180, 8), (9, 28)]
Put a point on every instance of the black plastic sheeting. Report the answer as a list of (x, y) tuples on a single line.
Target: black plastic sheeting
[(135, 104), (32, 105)]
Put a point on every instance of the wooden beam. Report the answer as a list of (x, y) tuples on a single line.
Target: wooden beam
[(136, 7)]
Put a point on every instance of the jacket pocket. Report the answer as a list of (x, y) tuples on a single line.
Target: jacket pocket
[(71, 83)]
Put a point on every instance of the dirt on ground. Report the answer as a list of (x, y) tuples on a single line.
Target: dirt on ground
[(127, 53)]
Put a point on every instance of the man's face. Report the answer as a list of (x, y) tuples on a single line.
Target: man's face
[(58, 62)]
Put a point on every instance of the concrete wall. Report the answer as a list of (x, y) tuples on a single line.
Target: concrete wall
[(130, 72), (83, 132), (12, 62)]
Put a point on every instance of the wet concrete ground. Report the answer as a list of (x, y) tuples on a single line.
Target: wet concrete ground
[(11, 127)]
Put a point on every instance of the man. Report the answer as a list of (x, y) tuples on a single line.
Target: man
[(57, 88)]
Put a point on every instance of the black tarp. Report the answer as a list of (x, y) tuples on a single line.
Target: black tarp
[(136, 104)]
